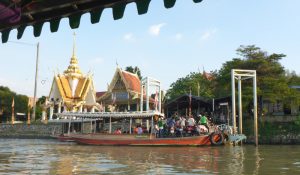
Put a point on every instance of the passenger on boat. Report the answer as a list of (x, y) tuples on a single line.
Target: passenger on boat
[(191, 121), (140, 130), (181, 125), (118, 131), (156, 130), (203, 121), (160, 126)]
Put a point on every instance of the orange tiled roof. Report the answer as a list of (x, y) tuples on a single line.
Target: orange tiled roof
[(132, 80), (100, 94)]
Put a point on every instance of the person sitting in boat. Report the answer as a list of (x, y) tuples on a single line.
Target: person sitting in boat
[(140, 130), (160, 126), (181, 125), (191, 121), (204, 121), (118, 131)]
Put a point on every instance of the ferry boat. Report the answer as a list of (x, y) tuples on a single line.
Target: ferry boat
[(132, 139), (147, 140)]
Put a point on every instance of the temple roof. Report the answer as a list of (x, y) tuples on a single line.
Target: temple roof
[(65, 88), (132, 81)]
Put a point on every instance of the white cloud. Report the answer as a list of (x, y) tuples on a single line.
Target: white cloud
[(96, 61), (208, 34), (178, 36), (128, 37), (155, 29)]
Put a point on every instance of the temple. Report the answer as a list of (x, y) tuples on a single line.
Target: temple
[(123, 93), (72, 90)]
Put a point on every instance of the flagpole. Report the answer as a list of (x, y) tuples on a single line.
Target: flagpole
[(13, 111), (28, 114), (35, 82)]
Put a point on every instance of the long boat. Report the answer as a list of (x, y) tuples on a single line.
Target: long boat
[(215, 138), (147, 140)]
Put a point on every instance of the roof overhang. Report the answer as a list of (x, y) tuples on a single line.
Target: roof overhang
[(100, 115), (18, 14)]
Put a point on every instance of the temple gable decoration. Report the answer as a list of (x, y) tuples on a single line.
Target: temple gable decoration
[(72, 90)]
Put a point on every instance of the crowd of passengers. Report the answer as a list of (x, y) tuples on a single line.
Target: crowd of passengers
[(182, 126), (175, 126)]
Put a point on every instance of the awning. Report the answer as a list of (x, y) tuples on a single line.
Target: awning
[(18, 14), (101, 115)]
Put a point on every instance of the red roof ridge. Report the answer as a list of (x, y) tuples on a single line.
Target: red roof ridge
[(134, 74)]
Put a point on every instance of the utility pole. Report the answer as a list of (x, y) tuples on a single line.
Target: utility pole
[(35, 81)]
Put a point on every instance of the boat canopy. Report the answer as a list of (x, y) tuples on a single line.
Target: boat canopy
[(101, 115), (18, 14)]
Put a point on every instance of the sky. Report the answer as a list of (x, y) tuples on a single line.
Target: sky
[(165, 44)]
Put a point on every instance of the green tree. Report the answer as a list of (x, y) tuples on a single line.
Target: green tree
[(6, 97), (195, 82), (134, 70), (272, 82), (39, 107)]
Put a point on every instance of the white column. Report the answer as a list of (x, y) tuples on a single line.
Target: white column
[(233, 100), (59, 107), (142, 96), (44, 115), (240, 105), (130, 125), (93, 109), (255, 109), (147, 123), (51, 112), (80, 108), (147, 95), (69, 128), (159, 100), (85, 109)]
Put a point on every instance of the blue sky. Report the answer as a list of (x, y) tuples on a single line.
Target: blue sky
[(165, 43)]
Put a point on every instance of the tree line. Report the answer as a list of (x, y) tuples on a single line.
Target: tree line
[(273, 82)]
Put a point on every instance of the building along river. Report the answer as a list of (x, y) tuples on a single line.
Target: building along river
[(42, 156)]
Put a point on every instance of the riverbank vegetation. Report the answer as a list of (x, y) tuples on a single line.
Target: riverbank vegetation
[(273, 80)]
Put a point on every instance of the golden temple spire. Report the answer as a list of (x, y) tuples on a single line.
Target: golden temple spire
[(74, 44), (73, 69)]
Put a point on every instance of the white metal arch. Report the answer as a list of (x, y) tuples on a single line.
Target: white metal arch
[(240, 75)]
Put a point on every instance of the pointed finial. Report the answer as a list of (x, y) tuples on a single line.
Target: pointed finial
[(74, 44), (117, 63)]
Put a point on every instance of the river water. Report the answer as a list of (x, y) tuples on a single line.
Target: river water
[(40, 156)]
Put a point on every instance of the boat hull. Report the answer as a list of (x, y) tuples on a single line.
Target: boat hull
[(118, 140), (63, 138)]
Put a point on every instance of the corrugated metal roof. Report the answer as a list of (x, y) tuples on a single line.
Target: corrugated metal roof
[(18, 14)]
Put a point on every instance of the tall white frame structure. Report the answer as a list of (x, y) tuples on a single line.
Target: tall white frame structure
[(240, 75), (146, 83)]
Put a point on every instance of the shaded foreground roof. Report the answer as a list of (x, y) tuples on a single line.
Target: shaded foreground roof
[(18, 14)]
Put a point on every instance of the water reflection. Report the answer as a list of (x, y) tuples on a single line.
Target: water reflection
[(51, 157)]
